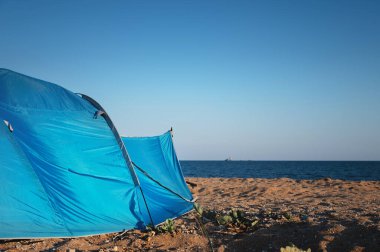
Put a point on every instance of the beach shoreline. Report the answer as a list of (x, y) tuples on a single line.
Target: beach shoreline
[(324, 215)]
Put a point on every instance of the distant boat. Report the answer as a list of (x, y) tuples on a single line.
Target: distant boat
[(228, 159)]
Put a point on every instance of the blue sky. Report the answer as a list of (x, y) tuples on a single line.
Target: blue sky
[(254, 80)]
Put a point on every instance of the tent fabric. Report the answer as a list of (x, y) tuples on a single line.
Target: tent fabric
[(63, 173), (156, 156)]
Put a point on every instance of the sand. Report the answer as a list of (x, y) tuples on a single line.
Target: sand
[(324, 215)]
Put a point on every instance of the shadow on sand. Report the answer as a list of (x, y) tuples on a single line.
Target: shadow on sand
[(304, 235)]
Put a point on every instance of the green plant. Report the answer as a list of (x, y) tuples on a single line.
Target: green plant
[(235, 214), (198, 218), (198, 209), (287, 215), (253, 223), (234, 218), (167, 226), (293, 248), (224, 220)]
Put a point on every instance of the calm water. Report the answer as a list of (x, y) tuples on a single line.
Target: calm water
[(348, 170)]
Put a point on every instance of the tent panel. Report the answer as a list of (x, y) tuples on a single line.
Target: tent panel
[(22, 195), (157, 157)]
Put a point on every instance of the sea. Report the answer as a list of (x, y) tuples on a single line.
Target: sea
[(347, 170)]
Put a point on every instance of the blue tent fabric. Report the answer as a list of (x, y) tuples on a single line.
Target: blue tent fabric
[(63, 173), (156, 156)]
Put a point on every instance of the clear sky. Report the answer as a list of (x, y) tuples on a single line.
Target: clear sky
[(257, 80)]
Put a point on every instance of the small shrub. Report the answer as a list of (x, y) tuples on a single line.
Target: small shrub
[(234, 218), (167, 226), (293, 248), (287, 215), (224, 220)]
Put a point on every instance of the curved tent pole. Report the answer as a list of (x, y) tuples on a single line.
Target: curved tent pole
[(102, 112)]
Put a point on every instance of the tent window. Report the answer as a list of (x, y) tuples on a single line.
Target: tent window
[(9, 125)]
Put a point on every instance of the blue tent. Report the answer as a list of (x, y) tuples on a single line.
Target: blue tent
[(65, 171)]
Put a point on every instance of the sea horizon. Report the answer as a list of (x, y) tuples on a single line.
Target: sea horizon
[(346, 170)]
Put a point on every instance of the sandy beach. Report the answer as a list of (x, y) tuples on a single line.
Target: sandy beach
[(323, 215)]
